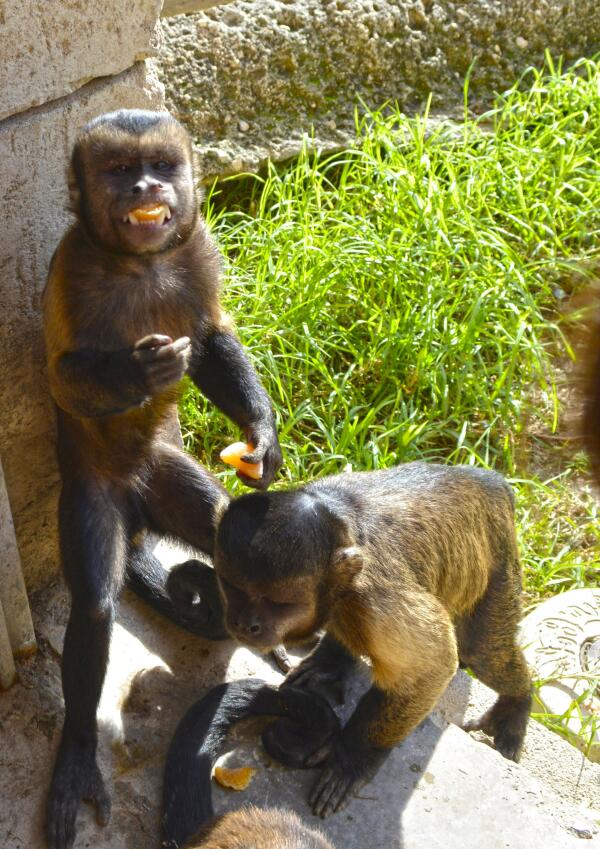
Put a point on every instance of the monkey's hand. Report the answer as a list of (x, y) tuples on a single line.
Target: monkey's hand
[(76, 778), (325, 671), (161, 362), (263, 437), (348, 767)]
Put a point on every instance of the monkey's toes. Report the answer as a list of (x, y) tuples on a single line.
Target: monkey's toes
[(509, 744)]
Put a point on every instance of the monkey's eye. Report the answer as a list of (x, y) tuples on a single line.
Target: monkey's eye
[(120, 169), (162, 165)]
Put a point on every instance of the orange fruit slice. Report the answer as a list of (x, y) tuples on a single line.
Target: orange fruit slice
[(149, 213), (232, 455), (234, 779)]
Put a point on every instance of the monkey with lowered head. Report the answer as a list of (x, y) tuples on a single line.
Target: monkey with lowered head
[(415, 567), (306, 722), (130, 307)]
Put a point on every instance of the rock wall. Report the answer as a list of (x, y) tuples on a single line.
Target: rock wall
[(248, 79), (61, 63)]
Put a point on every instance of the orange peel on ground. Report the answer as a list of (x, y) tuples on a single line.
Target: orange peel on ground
[(232, 455), (234, 779)]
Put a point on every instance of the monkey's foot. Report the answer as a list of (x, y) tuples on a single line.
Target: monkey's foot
[(506, 722), (193, 590), (76, 778)]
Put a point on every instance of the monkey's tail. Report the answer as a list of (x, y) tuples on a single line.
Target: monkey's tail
[(198, 739)]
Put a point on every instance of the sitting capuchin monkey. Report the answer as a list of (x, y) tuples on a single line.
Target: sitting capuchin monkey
[(416, 568), (130, 307)]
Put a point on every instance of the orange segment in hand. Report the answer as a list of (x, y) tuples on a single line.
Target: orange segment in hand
[(232, 455)]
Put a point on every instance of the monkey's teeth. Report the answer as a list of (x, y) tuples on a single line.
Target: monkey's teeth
[(160, 219), (133, 220), (168, 213)]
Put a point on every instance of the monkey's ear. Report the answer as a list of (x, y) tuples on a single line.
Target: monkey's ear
[(348, 561)]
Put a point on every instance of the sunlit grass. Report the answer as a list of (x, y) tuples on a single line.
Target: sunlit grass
[(401, 300)]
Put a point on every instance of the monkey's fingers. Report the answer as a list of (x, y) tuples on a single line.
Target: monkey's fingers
[(282, 659), (101, 801), (173, 349), (60, 831), (332, 791), (154, 340)]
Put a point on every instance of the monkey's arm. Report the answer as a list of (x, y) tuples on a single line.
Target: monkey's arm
[(222, 371), (413, 661), (89, 383)]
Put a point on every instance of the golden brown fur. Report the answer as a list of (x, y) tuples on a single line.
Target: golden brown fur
[(416, 568), (257, 828)]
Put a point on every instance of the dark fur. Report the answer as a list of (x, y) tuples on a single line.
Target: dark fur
[(415, 567), (127, 312), (307, 723)]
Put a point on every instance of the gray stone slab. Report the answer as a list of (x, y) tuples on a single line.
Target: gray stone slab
[(34, 153), (48, 50), (439, 789)]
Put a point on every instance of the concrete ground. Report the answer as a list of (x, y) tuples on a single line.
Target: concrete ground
[(441, 788)]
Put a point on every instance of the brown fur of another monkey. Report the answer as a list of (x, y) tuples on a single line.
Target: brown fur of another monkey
[(271, 828), (585, 310), (414, 567)]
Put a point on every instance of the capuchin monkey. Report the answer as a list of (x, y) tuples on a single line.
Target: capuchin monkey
[(415, 567), (130, 307), (307, 722)]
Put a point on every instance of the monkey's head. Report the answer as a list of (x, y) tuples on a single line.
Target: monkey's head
[(131, 181), (276, 559)]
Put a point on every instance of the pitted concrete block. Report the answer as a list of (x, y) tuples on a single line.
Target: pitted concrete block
[(48, 50)]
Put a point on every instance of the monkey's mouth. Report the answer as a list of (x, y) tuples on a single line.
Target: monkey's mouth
[(148, 215)]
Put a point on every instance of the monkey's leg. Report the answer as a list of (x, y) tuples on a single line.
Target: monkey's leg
[(324, 671), (93, 549), (183, 500), (487, 644)]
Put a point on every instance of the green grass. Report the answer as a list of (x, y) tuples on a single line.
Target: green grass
[(401, 300)]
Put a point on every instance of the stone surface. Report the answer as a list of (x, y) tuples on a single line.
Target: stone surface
[(439, 789), (546, 756), (561, 641), (48, 50), (34, 152), (184, 7), (294, 70), (13, 595)]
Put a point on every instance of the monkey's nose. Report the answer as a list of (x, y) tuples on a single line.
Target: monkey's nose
[(254, 629)]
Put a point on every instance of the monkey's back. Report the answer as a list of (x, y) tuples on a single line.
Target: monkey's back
[(445, 527)]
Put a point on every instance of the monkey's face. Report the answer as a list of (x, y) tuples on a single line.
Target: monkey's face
[(132, 184), (271, 554), (263, 616)]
